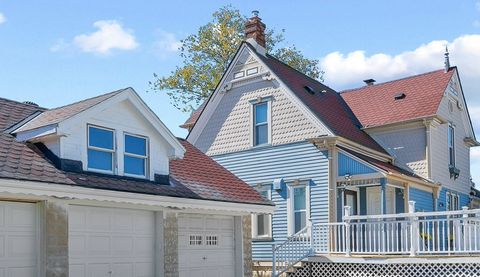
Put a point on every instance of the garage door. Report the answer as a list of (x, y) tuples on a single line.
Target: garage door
[(111, 242), (206, 246), (18, 239)]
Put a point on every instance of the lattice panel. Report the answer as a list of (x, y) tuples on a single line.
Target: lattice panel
[(387, 270)]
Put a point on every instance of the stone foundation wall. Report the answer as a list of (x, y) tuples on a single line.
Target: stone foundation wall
[(247, 245), (56, 239), (171, 244)]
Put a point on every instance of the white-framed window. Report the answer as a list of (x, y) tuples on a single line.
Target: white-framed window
[(451, 145), (262, 223), (135, 156), (453, 201), (298, 202), (211, 240), (100, 149), (261, 120), (195, 240), (252, 71)]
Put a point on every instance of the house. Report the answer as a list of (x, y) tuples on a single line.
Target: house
[(381, 150), (102, 188)]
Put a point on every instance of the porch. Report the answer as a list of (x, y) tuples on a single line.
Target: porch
[(412, 234)]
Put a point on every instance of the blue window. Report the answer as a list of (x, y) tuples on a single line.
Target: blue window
[(101, 147), (262, 223), (135, 156), (299, 208), (260, 120)]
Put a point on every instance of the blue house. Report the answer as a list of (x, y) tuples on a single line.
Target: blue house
[(313, 150)]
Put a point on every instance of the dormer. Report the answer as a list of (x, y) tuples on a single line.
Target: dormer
[(115, 133)]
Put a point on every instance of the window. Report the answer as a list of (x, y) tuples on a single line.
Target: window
[(238, 75), (211, 240), (451, 145), (101, 147), (299, 208), (195, 240), (252, 71), (453, 203), (260, 120), (135, 156), (262, 223)]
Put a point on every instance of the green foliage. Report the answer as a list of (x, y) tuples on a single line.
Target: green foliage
[(207, 54)]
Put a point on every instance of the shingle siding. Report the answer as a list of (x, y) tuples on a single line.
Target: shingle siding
[(292, 161)]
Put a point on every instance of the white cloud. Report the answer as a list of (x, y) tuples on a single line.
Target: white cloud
[(347, 70), (110, 36), (166, 44), (3, 19)]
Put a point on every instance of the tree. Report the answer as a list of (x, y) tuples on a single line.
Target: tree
[(207, 54)]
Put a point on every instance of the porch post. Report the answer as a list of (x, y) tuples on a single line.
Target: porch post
[(413, 229), (346, 220), (384, 196)]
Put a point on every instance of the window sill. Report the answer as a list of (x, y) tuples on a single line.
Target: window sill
[(265, 239), (265, 145)]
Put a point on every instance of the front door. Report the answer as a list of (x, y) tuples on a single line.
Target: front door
[(351, 200)]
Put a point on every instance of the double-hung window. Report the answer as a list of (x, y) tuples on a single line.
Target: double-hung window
[(135, 158), (453, 201), (260, 123), (101, 149), (262, 223), (451, 145), (299, 208)]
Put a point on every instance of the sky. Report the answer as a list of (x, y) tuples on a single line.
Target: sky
[(57, 52)]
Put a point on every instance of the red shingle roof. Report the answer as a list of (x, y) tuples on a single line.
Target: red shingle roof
[(193, 117), (326, 103), (56, 115), (375, 105)]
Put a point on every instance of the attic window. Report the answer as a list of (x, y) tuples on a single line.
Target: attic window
[(309, 89), (399, 96)]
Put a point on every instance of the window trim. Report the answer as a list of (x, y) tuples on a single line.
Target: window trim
[(268, 102), (454, 158), (112, 151), (268, 236), (290, 204), (146, 158), (451, 199)]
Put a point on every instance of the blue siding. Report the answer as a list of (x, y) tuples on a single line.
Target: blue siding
[(442, 199), (423, 200), (290, 161), (347, 165)]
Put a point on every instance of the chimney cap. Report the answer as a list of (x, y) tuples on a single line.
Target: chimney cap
[(369, 82), (255, 13)]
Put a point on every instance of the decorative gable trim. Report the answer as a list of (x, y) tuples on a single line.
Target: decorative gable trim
[(214, 100)]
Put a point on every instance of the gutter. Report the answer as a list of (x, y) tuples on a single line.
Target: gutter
[(76, 194)]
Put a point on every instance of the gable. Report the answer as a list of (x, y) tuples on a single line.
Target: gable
[(350, 166), (228, 127)]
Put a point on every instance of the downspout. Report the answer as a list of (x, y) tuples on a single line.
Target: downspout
[(427, 148)]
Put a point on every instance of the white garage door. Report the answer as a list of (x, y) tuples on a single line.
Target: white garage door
[(206, 246), (111, 242), (18, 239)]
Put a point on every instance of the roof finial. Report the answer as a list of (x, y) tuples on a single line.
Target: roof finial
[(447, 59)]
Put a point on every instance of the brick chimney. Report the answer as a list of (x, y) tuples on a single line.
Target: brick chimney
[(255, 32)]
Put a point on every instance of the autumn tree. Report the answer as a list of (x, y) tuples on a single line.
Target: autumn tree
[(207, 54)]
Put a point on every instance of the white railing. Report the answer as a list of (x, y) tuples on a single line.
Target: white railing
[(412, 233), (292, 251)]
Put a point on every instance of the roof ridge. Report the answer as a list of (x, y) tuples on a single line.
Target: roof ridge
[(22, 103), (91, 98), (396, 80)]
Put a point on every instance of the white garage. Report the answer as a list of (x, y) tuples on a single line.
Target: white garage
[(107, 242), (206, 245), (19, 242)]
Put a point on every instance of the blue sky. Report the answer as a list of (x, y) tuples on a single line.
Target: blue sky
[(58, 52)]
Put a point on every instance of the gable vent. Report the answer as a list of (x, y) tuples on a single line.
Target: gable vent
[(309, 89), (399, 96)]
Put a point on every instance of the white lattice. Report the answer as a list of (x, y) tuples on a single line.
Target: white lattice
[(313, 269)]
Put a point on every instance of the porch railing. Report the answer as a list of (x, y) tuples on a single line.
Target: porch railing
[(412, 233)]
